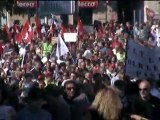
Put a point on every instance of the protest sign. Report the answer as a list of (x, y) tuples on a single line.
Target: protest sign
[(142, 62), (70, 37)]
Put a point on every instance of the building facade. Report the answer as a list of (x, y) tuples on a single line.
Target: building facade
[(153, 6), (88, 11)]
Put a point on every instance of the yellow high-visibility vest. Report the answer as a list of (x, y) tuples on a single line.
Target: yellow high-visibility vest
[(47, 48)]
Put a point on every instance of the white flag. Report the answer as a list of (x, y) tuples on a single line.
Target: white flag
[(62, 49)]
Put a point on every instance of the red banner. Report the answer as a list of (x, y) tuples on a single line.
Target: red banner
[(26, 4), (88, 3)]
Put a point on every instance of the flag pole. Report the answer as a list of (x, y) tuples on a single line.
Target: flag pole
[(72, 57), (22, 60)]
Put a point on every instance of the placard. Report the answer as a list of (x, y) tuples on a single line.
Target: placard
[(142, 62), (70, 37)]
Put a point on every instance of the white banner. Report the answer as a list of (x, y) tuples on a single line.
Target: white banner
[(142, 62), (70, 37)]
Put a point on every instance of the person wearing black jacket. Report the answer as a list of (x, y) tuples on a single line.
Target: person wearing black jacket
[(145, 106)]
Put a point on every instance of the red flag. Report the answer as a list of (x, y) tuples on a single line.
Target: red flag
[(6, 31), (5, 28), (101, 31), (38, 26), (19, 37), (80, 28), (26, 27), (16, 28), (51, 31), (63, 29), (31, 36), (27, 33)]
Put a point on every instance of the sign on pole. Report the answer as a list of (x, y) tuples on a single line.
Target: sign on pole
[(70, 37)]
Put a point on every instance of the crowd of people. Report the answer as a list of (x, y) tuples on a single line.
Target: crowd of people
[(89, 84)]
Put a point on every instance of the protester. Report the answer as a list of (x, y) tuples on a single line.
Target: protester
[(47, 47), (33, 109), (71, 75), (146, 105), (55, 104), (77, 101), (7, 112)]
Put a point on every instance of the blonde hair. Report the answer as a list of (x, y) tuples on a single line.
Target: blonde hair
[(108, 103)]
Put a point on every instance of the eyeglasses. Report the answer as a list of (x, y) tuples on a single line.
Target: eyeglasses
[(143, 89), (70, 88)]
